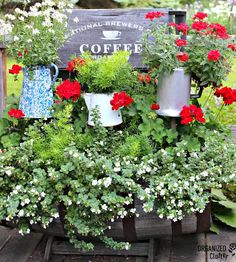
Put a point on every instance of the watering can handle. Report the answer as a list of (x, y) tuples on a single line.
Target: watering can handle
[(198, 95), (56, 73)]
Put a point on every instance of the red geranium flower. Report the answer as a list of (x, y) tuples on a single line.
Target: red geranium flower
[(15, 70), (182, 27), (232, 46), (154, 106), (214, 55), (228, 94), (121, 99), (200, 16), (181, 42), (16, 113), (3, 151), (148, 78), (145, 78), (19, 54), (199, 25), (218, 30), (172, 24), (182, 56), (191, 113), (72, 64), (69, 90), (152, 15)]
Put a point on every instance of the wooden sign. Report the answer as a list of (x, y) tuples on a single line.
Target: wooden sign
[(105, 31), (2, 77)]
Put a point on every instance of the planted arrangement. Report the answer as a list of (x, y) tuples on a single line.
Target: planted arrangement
[(33, 39), (88, 176)]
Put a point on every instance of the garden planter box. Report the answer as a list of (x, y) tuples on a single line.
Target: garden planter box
[(144, 227)]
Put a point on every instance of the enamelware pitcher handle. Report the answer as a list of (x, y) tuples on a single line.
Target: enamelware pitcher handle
[(56, 73)]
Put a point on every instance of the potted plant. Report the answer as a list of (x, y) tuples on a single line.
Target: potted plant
[(106, 79), (33, 41), (206, 56)]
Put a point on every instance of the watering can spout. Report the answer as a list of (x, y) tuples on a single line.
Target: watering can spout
[(87, 98)]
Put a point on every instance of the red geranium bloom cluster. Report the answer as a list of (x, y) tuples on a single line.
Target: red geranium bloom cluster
[(145, 78), (218, 30), (16, 113), (154, 106), (228, 94), (182, 57), (182, 27), (3, 151), (199, 25), (20, 55), (69, 90), (75, 62), (214, 55), (15, 70), (181, 42), (121, 99), (232, 46), (200, 16), (152, 15), (191, 113)]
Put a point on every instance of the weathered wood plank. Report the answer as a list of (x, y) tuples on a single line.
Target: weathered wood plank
[(20, 247), (163, 249), (99, 259), (5, 236), (105, 31), (223, 252), (38, 253), (65, 248), (185, 248)]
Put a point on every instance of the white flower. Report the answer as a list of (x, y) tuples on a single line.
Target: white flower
[(38, 5), (8, 172), (69, 203), (94, 182), (17, 10), (35, 31), (107, 182), (43, 194), (56, 215), (21, 232), (10, 17), (178, 154), (204, 173), (161, 216), (18, 187), (21, 213), (27, 200), (29, 41), (21, 18), (104, 207), (117, 169)]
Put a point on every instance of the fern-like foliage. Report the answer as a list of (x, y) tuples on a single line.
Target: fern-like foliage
[(50, 139)]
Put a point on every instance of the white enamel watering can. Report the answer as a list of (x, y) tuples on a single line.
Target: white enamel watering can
[(108, 117)]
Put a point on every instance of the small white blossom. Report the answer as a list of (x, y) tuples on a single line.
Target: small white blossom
[(107, 182), (94, 182)]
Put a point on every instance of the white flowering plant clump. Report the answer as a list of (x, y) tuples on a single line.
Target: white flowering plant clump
[(92, 174), (34, 36)]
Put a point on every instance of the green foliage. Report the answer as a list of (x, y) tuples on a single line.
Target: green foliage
[(107, 74), (159, 49), (224, 209), (135, 146), (51, 139)]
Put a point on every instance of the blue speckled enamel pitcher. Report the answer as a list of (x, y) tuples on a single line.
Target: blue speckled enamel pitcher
[(37, 95)]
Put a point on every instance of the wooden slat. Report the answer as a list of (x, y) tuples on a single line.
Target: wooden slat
[(163, 249), (20, 247), (98, 259), (225, 238), (5, 236), (65, 248), (185, 248)]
